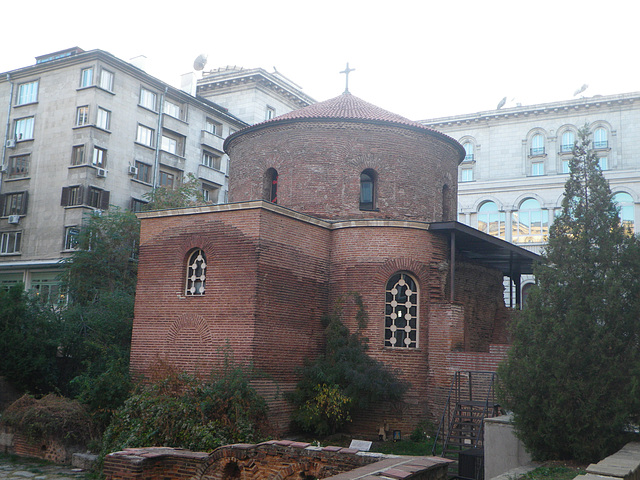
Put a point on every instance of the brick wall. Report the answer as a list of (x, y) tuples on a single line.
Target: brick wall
[(319, 165), (47, 448)]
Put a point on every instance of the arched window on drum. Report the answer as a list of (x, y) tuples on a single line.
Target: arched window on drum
[(401, 312), (196, 276)]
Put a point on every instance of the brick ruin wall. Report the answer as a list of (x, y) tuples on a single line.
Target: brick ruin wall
[(276, 460)]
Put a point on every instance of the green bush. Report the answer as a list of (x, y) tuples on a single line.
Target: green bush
[(182, 411), (349, 373)]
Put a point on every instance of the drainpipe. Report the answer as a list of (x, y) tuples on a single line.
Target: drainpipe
[(156, 163), (7, 128)]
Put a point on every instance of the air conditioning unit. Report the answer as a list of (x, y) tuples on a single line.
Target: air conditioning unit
[(133, 170), (11, 143), (102, 172), (14, 219), (4, 168)]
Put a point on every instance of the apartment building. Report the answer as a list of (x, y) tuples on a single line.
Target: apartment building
[(86, 131), (511, 181)]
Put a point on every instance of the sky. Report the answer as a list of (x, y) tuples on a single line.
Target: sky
[(421, 58)]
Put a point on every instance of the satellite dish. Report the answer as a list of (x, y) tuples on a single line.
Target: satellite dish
[(200, 62), (501, 103), (581, 89)]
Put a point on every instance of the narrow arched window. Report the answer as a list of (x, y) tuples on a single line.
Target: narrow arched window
[(627, 210), (491, 220), (401, 312), (271, 186), (367, 190), (600, 138), (196, 277)]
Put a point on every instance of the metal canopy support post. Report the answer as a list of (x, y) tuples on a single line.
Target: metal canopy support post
[(452, 266)]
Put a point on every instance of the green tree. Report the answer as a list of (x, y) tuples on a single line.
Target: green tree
[(106, 257), (187, 194), (344, 379), (29, 339), (573, 373)]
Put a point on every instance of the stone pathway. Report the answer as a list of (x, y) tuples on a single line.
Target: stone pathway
[(15, 468)]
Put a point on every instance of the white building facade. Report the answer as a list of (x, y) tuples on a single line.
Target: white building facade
[(511, 182), (86, 131)]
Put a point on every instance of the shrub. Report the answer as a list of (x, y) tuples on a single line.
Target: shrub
[(344, 371), (51, 416), (182, 411)]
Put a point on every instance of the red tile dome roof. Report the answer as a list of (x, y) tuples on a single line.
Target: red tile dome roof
[(348, 108)]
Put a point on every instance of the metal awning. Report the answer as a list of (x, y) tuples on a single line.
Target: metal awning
[(469, 244)]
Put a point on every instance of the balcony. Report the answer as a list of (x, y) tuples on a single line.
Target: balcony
[(211, 175), (211, 140), (175, 125), (536, 151), (171, 160)]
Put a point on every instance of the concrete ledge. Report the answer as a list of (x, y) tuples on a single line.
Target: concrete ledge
[(85, 461), (623, 464), (516, 472)]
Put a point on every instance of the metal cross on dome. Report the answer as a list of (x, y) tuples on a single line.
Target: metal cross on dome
[(346, 72)]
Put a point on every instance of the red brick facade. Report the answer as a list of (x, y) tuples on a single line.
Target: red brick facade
[(273, 271)]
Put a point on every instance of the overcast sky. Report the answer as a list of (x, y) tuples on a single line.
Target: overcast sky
[(420, 59)]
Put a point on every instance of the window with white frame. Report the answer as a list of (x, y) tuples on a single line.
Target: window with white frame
[(211, 160), (491, 220), (145, 135), (214, 127), (468, 149), (148, 99), (466, 174), (99, 158), (103, 119), (401, 312), (196, 273), (71, 237), (19, 166), (77, 155), (106, 80), (86, 77), (537, 144), (82, 116), (270, 113), (172, 143), (46, 288), (600, 139), (173, 109), (169, 144), (10, 242), (530, 223), (568, 141), (537, 168), (566, 166), (27, 93), (24, 129), (603, 163)]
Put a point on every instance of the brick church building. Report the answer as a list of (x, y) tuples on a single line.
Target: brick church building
[(340, 196)]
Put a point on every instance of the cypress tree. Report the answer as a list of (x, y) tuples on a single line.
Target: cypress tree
[(573, 373)]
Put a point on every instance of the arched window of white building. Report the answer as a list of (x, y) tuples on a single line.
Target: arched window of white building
[(600, 139), (490, 220), (537, 144), (530, 224), (627, 213), (568, 141)]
